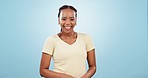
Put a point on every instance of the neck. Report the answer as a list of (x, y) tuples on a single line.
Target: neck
[(71, 34)]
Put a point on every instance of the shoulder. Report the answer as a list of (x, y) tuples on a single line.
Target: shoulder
[(83, 35), (51, 38)]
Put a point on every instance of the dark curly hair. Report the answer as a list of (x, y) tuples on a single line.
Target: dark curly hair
[(67, 7)]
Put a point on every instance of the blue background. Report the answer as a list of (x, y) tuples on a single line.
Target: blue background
[(118, 28)]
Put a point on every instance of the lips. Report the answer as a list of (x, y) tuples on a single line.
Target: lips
[(67, 27)]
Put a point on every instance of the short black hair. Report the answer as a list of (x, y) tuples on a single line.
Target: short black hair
[(67, 7)]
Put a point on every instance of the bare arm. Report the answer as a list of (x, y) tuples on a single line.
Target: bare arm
[(92, 64), (44, 68)]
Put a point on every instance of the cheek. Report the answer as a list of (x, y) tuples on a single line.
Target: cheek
[(73, 23), (61, 23)]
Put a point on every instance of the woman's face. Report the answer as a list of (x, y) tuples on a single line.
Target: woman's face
[(67, 20)]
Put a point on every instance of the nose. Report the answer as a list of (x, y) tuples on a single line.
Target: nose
[(67, 22)]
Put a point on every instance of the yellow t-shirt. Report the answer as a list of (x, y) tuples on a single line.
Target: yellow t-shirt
[(69, 59)]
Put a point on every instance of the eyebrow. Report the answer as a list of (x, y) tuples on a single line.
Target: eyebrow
[(66, 17)]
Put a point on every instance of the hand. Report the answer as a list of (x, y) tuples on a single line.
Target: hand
[(66, 76), (85, 76)]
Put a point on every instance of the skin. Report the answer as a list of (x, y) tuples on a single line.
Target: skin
[(67, 19)]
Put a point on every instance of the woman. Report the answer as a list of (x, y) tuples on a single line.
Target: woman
[(69, 50)]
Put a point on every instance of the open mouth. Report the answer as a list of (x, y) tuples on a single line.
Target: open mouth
[(67, 27)]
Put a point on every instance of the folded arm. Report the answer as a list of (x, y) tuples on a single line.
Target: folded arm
[(44, 68), (91, 63)]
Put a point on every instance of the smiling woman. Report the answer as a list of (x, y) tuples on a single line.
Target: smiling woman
[(67, 18), (69, 49)]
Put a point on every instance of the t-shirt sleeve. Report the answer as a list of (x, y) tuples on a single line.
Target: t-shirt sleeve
[(48, 46), (89, 43)]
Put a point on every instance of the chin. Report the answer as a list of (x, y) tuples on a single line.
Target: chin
[(68, 31)]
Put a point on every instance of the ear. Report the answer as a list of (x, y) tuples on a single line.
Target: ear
[(58, 20), (76, 20)]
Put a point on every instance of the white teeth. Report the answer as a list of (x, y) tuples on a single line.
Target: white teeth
[(67, 27)]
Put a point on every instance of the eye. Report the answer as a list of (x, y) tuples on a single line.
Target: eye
[(72, 19), (63, 19)]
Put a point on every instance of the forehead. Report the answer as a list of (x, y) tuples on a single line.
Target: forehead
[(67, 13)]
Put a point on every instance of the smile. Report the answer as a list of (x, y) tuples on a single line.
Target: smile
[(67, 27)]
